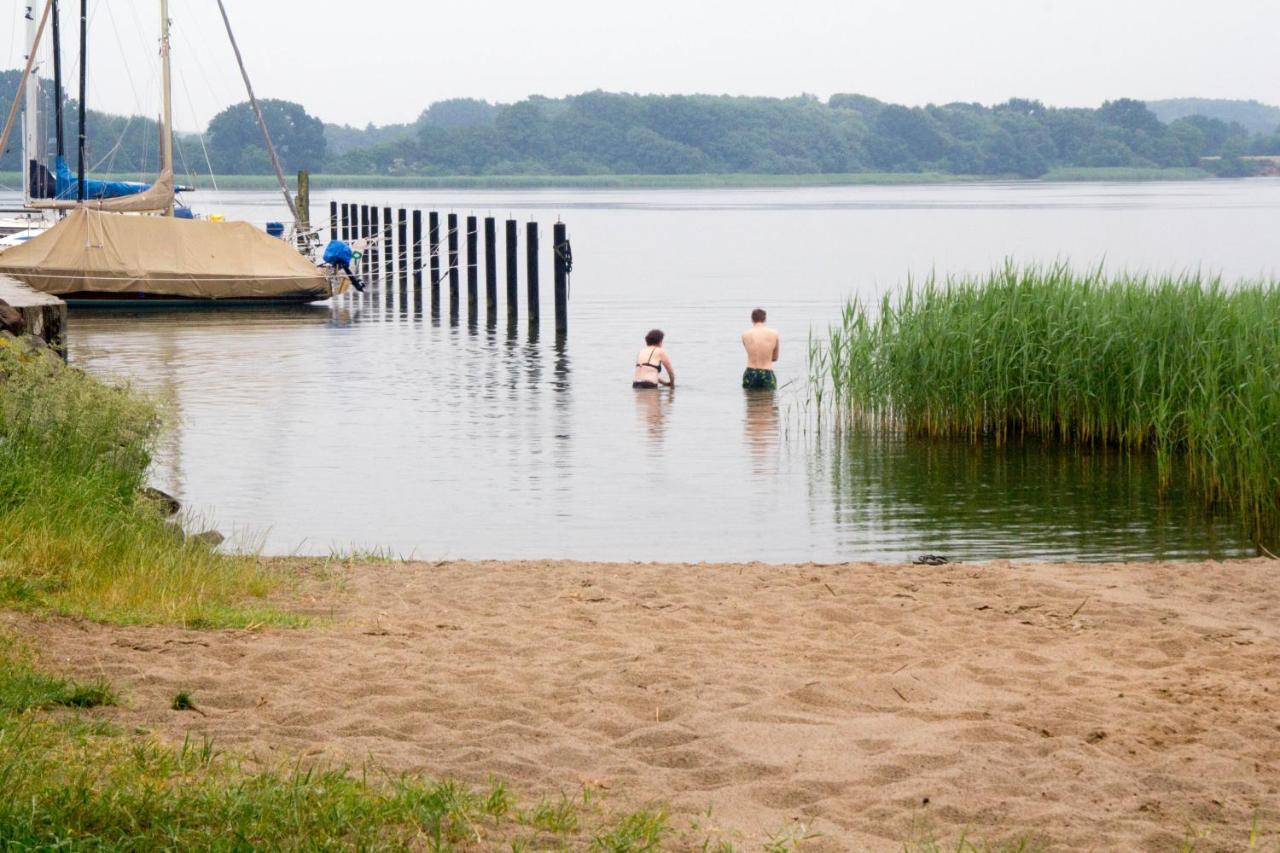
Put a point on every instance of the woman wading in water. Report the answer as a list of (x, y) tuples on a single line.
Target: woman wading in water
[(649, 364)]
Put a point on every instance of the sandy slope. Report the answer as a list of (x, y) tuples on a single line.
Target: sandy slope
[(1100, 707)]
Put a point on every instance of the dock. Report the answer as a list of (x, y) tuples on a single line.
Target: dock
[(24, 311)]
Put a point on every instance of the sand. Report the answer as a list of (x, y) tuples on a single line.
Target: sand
[(1094, 707)]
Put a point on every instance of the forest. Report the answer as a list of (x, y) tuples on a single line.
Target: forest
[(602, 133)]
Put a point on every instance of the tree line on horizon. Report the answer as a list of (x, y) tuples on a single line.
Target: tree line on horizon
[(602, 133)]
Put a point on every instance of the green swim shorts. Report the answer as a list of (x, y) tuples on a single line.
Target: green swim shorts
[(755, 377)]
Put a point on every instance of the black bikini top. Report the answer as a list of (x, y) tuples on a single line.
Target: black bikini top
[(647, 363)]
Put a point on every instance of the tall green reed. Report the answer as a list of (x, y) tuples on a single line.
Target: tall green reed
[(1178, 365)]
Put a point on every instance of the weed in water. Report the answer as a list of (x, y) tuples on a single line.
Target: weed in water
[(1181, 367)]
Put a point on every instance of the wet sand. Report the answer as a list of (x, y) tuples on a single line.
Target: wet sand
[(1093, 707)]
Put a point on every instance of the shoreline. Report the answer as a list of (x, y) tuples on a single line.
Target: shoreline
[(1079, 705), (321, 182)]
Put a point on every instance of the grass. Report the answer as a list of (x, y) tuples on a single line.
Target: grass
[(1179, 366), (1125, 173), (76, 534)]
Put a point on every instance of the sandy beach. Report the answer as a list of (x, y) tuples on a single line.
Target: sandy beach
[(1088, 707)]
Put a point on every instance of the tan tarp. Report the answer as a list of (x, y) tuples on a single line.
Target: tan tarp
[(158, 196), (94, 252)]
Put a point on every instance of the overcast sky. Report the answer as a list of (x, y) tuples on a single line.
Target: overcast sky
[(360, 61)]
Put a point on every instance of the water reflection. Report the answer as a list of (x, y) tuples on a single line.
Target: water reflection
[(761, 430), (978, 501), (653, 408)]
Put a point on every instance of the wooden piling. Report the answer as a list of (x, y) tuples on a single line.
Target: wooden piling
[(417, 256), (473, 270), (452, 224), (375, 240), (491, 270), (303, 200), (513, 271), (433, 257), (402, 253), (333, 220), (531, 271), (388, 249), (560, 256), (363, 225), (346, 224)]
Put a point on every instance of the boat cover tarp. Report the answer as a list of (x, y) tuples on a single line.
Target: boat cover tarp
[(96, 252), (154, 197)]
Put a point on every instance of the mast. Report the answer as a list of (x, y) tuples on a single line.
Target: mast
[(26, 72), (262, 124), (166, 126), (31, 112), (84, 33), (59, 147)]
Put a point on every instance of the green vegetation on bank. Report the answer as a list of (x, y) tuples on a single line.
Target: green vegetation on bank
[(1180, 366), (77, 533), (603, 134)]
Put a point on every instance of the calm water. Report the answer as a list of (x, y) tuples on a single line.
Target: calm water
[(364, 424)]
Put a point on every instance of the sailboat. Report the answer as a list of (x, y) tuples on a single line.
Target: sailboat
[(125, 244)]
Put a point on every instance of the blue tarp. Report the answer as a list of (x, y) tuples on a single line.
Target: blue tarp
[(337, 251), (65, 185)]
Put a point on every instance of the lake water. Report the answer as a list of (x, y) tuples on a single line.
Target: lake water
[(367, 425)]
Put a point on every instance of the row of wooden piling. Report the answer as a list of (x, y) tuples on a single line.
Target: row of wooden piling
[(373, 225)]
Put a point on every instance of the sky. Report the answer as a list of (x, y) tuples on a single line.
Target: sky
[(384, 61)]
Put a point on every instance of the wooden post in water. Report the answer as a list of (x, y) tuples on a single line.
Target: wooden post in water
[(531, 261), (417, 256), (560, 256), (333, 220), (388, 250), (375, 239), (433, 246), (452, 224), (346, 224), (513, 272), (303, 200), (491, 270), (402, 259), (473, 270), (362, 226)]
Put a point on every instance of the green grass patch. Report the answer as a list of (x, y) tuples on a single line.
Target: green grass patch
[(1179, 366), (1125, 173), (76, 534), (23, 687)]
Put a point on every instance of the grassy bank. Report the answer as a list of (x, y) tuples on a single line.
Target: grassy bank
[(77, 534), (1181, 366), (322, 182)]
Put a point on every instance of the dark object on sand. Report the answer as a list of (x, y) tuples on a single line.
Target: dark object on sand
[(930, 560)]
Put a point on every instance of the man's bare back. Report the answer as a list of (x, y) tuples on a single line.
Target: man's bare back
[(762, 346)]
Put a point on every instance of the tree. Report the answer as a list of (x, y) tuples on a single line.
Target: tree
[(298, 138)]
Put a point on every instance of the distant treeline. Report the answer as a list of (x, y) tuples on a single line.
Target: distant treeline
[(601, 133)]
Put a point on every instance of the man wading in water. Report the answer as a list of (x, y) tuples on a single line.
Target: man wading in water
[(761, 344)]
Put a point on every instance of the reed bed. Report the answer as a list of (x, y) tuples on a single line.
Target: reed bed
[(1180, 366), (77, 534)]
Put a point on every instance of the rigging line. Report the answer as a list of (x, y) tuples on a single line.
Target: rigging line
[(191, 108), (121, 138), (137, 101)]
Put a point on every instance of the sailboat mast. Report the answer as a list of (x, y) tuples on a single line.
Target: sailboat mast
[(166, 129), (84, 33), (262, 123), (31, 113), (59, 148)]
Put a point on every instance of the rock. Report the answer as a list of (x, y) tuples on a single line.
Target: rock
[(11, 320), (167, 502), (212, 538)]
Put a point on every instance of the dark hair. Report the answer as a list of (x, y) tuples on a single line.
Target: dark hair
[(654, 338), (758, 315)]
